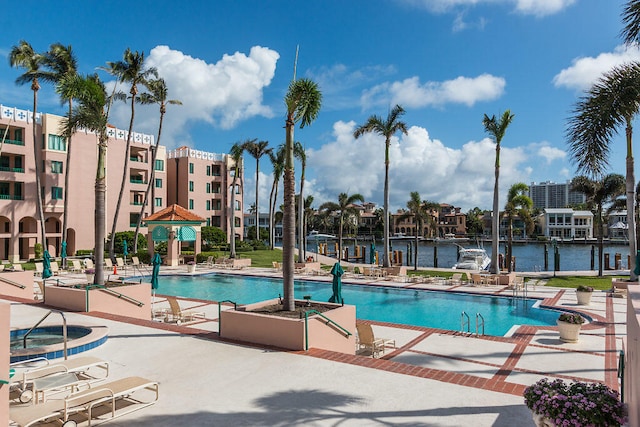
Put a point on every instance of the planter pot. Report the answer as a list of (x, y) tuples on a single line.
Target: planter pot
[(191, 268), (584, 298), (541, 421), (569, 332), (90, 278)]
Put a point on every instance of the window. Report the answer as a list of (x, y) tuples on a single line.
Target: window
[(238, 205), (57, 143), (217, 205), (208, 205), (215, 221), (215, 170), (56, 193), (208, 187), (190, 203), (158, 201), (237, 221), (190, 167), (159, 166), (18, 135), (4, 163), (158, 182), (190, 185), (56, 167), (208, 170), (216, 187)]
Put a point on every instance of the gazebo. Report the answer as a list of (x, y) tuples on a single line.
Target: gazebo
[(173, 225)]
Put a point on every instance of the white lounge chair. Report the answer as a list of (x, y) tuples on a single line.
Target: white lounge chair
[(368, 341)]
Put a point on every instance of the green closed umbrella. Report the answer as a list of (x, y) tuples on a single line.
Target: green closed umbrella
[(372, 255), (337, 273), (63, 253), (125, 249), (46, 265), (155, 272)]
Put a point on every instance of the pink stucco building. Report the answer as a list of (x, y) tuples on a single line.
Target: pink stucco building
[(19, 224)]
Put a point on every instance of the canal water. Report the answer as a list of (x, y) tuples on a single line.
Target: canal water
[(528, 256)]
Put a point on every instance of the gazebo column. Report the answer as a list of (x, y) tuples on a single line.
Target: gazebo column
[(197, 246), (172, 250)]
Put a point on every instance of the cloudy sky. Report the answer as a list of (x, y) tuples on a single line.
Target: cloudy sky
[(447, 62)]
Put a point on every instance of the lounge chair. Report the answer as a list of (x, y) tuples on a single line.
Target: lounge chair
[(368, 341), (120, 262), (55, 268), (178, 315), (117, 395), (17, 267), (108, 264), (455, 279), (75, 266), (277, 266), (88, 263), (39, 269)]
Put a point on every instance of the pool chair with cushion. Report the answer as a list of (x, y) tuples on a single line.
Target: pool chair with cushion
[(99, 403), (367, 340), (88, 263), (39, 269), (176, 314), (75, 266)]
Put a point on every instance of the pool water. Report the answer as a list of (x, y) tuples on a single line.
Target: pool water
[(434, 309), (44, 336)]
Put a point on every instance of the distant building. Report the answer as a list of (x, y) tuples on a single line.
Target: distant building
[(567, 224), (617, 227), (250, 222), (553, 195)]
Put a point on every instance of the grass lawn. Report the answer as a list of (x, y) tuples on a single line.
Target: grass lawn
[(597, 283)]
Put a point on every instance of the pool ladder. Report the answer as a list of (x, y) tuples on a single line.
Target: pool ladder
[(64, 330), (466, 321)]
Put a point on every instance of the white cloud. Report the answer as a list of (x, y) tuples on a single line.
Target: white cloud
[(463, 177), (411, 93), (551, 153), (222, 93), (525, 7), (586, 70)]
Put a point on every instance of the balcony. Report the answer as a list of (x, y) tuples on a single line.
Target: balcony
[(137, 181), (6, 169), (11, 197), (13, 142)]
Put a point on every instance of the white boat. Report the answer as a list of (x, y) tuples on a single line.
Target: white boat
[(314, 235), (401, 236), (472, 259), (451, 238)]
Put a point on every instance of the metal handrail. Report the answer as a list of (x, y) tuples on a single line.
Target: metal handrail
[(462, 322), (306, 326), (11, 282), (478, 323), (235, 307), (117, 294), (621, 374), (64, 330)]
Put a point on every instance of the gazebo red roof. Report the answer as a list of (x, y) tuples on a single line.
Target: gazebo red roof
[(174, 213)]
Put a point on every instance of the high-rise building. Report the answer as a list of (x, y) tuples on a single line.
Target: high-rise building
[(554, 195)]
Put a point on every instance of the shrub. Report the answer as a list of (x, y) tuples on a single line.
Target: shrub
[(583, 288), (574, 318)]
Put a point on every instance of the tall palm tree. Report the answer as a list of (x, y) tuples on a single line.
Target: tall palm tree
[(277, 161), (23, 56), (236, 155), (631, 20), (386, 128), (92, 113), (157, 94), (62, 62), (257, 150), (303, 101), (496, 128), (130, 70), (342, 210), (518, 204), (612, 102), (599, 194), (417, 211), (299, 152)]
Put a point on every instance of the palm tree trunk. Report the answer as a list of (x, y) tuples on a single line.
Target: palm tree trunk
[(99, 218), (509, 245), (272, 202), (631, 218), (257, 210), (495, 268), (36, 155), (122, 185), (302, 255), (65, 215), (600, 244), (288, 221), (415, 255), (385, 260)]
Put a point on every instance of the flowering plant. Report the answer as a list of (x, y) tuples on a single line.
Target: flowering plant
[(191, 263), (575, 404), (574, 318), (583, 288), (90, 271)]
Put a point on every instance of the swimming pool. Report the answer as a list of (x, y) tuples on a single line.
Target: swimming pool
[(435, 309)]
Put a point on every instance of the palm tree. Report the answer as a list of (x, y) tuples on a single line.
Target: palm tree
[(62, 62), (92, 114), (303, 101), (24, 56), (598, 194), (277, 161), (386, 128), (612, 102), (257, 150), (417, 211), (299, 152), (236, 155), (496, 128), (518, 204), (342, 210), (631, 20), (129, 70), (157, 94)]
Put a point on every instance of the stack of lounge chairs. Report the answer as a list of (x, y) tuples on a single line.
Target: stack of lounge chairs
[(74, 391)]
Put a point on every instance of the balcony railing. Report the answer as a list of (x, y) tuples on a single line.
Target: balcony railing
[(13, 142), (137, 181), (6, 169), (10, 197)]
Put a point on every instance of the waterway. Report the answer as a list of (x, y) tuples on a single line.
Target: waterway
[(529, 256)]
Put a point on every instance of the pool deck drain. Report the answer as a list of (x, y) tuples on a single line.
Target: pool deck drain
[(479, 368)]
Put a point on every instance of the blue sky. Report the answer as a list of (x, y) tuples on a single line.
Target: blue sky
[(447, 62)]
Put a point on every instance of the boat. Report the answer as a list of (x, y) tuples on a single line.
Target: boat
[(314, 235), (472, 259), (401, 236), (451, 238)]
